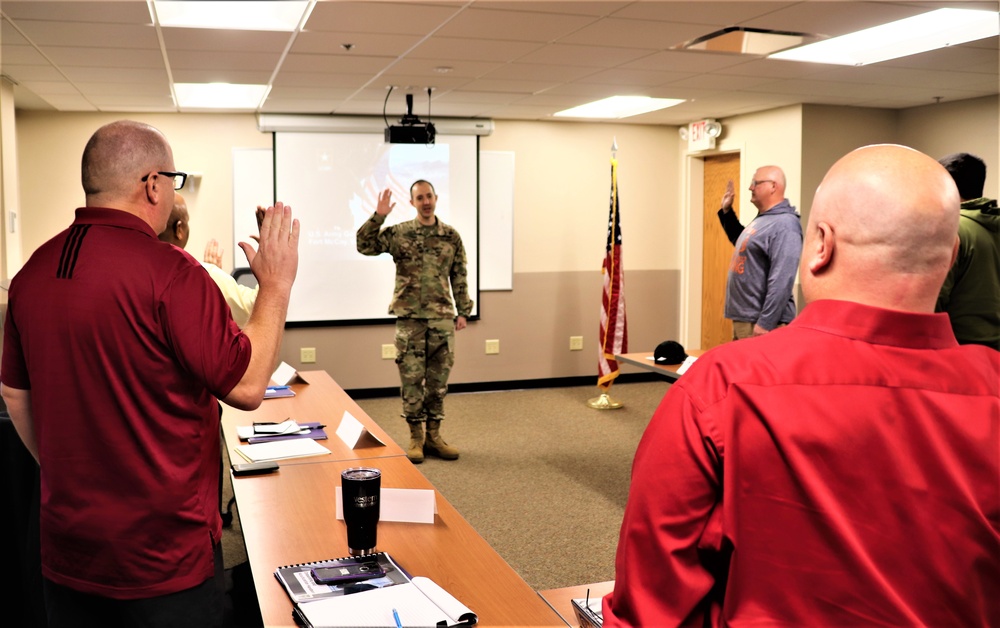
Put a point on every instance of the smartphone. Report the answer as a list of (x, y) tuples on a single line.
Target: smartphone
[(253, 468), (349, 572)]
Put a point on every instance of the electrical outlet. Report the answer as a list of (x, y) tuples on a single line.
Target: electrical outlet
[(388, 352), (307, 355), (576, 343), (492, 347)]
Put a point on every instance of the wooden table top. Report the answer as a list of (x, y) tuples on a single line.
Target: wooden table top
[(644, 360), (321, 400), (559, 599), (289, 517)]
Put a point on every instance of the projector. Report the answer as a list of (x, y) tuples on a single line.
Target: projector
[(410, 129), (410, 134)]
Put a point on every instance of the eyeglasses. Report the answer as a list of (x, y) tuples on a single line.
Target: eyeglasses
[(753, 183), (178, 184)]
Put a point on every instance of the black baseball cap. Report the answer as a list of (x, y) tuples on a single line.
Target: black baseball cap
[(669, 352)]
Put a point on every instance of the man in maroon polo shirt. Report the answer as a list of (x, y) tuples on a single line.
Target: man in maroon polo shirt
[(116, 348)]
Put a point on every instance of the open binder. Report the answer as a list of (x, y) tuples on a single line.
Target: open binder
[(418, 601)]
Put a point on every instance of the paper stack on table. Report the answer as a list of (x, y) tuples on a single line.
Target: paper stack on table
[(281, 449)]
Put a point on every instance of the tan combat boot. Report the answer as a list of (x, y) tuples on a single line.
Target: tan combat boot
[(434, 445), (416, 451)]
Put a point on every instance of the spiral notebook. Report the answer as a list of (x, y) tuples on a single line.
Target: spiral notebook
[(301, 587), (418, 601)]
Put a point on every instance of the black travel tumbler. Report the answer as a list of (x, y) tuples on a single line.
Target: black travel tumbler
[(361, 488)]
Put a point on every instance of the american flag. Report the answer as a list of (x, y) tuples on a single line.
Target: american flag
[(614, 330)]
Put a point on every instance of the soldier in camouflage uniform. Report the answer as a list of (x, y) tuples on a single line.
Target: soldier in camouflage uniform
[(430, 266)]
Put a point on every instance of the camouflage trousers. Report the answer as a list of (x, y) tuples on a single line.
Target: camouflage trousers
[(424, 355)]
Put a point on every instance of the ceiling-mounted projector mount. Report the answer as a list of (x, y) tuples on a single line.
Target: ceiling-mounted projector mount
[(410, 129)]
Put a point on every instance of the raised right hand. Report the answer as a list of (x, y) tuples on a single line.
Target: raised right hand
[(728, 196), (385, 203), (276, 260)]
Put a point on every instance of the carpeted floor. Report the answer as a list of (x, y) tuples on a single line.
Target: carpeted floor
[(542, 477)]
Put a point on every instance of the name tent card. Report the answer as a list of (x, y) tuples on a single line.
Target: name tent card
[(353, 433), (285, 374), (406, 505)]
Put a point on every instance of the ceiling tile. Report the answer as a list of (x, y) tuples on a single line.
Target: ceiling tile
[(476, 50), (521, 59), (224, 40), (586, 56), (91, 12), (476, 23), (112, 58), (90, 35), (649, 35), (332, 64), (121, 76), (382, 44), (379, 17)]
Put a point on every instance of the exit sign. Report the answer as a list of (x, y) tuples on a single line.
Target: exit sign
[(699, 137)]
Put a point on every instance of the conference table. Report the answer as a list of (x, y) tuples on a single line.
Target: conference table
[(318, 398), (645, 361), (289, 517)]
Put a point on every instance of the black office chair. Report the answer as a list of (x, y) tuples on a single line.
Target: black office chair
[(244, 276), (20, 553)]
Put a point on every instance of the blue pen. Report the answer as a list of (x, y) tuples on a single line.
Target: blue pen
[(395, 616), (278, 387)]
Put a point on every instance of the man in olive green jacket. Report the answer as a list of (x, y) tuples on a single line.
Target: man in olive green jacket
[(971, 291)]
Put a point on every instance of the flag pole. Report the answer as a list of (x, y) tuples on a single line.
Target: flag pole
[(613, 296)]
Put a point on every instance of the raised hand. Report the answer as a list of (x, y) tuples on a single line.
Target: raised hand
[(385, 203), (213, 253), (728, 196), (276, 259)]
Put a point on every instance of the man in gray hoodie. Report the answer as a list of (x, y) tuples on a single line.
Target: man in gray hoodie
[(971, 291), (766, 258)]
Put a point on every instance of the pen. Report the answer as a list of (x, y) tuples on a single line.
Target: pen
[(278, 387), (395, 616)]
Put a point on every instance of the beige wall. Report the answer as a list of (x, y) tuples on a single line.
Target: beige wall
[(963, 126), (562, 187), (50, 146), (562, 182), (829, 133)]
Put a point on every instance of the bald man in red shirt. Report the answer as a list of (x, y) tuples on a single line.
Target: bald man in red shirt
[(843, 470)]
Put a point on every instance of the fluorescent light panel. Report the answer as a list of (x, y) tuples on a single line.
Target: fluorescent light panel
[(219, 95), (249, 16), (618, 107), (910, 36)]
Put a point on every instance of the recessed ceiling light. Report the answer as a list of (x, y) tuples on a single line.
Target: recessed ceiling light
[(618, 107), (219, 95), (910, 36), (248, 16)]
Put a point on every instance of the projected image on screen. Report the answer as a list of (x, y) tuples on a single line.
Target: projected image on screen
[(332, 181)]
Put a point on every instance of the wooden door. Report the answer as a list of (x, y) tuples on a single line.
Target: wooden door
[(717, 251)]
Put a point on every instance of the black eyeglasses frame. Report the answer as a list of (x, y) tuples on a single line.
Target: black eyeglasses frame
[(172, 175)]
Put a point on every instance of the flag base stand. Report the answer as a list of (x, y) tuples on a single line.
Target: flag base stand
[(604, 402)]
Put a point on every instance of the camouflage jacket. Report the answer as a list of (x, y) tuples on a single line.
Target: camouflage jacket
[(430, 266)]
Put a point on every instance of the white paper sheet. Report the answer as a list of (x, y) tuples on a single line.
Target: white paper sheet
[(419, 603), (281, 449)]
